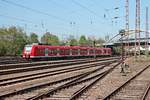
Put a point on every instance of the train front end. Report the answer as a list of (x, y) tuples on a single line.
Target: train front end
[(27, 51)]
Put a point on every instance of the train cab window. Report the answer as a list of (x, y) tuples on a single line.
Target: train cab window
[(28, 48)]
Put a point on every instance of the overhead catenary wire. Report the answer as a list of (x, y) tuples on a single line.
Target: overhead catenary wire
[(35, 10), (89, 10), (26, 21), (16, 18), (21, 20)]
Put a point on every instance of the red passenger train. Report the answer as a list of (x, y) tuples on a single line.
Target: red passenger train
[(46, 51)]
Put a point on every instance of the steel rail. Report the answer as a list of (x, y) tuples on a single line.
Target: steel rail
[(8, 93), (11, 66), (79, 92), (52, 71), (71, 83), (116, 90), (31, 68), (146, 92), (46, 74)]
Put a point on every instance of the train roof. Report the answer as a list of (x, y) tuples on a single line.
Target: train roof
[(65, 47)]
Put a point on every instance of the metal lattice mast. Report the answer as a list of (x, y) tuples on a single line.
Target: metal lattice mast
[(137, 28), (139, 36), (127, 24), (146, 30)]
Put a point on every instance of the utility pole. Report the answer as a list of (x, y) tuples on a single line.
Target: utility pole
[(127, 26), (122, 34), (137, 28), (146, 32)]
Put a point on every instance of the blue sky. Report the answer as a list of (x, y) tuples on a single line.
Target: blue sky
[(69, 17)]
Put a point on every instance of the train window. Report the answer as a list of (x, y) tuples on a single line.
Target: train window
[(84, 51), (105, 51), (108, 51), (102, 51), (46, 51), (67, 51), (99, 51), (61, 51), (54, 51), (74, 51), (91, 51), (50, 51)]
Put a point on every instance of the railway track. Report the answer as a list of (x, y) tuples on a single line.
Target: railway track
[(17, 60), (45, 66), (74, 88), (24, 77), (146, 95), (34, 83), (12, 60), (67, 62), (136, 88), (30, 75)]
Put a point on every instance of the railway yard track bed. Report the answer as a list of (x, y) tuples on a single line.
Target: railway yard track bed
[(99, 80), (14, 83)]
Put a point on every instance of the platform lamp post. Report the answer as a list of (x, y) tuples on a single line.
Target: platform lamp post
[(122, 33)]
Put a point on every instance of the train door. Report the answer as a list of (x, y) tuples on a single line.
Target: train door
[(46, 51)]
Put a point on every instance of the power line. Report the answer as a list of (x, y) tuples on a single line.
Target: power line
[(90, 11), (26, 21), (58, 4), (34, 10), (22, 20), (84, 7), (19, 19)]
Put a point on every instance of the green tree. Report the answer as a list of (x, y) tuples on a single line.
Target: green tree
[(33, 38), (90, 42), (99, 42), (72, 41), (50, 39), (83, 41), (12, 40)]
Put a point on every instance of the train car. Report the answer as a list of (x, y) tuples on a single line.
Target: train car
[(45, 51)]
